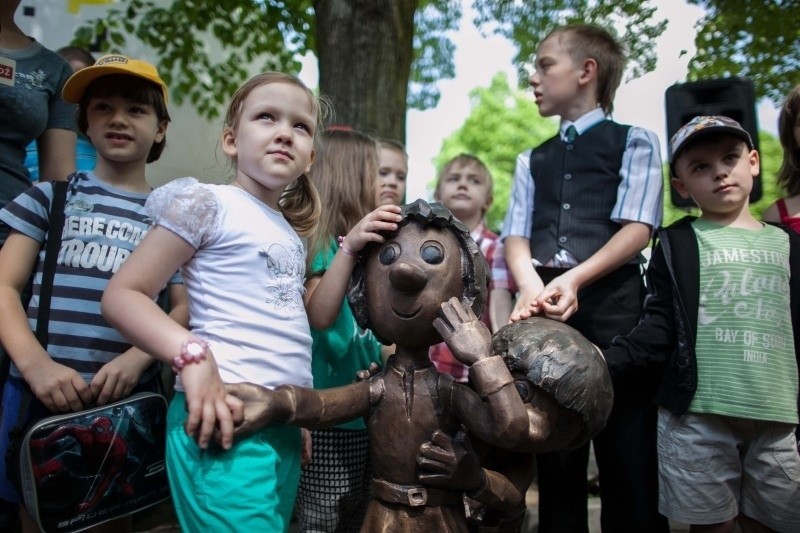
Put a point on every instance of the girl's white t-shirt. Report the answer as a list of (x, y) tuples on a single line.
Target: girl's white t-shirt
[(245, 281)]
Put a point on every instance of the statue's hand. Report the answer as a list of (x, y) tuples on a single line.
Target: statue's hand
[(466, 336), (258, 407), (446, 463), (374, 368)]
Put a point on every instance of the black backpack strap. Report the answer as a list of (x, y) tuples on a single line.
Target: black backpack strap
[(52, 246)]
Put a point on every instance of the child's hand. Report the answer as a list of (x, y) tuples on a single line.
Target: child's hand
[(525, 307), (466, 336), (117, 378), (58, 387), (207, 403), (259, 406), (559, 299), (384, 218)]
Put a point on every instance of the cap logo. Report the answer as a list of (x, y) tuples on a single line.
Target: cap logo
[(111, 60)]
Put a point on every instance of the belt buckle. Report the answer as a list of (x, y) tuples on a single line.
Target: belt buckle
[(417, 496)]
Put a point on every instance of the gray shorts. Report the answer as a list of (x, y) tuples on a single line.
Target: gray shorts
[(713, 467)]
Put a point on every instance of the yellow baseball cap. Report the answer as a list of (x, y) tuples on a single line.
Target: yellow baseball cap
[(110, 64)]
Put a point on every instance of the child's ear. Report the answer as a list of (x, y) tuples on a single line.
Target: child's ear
[(311, 160), (588, 71), (755, 162), (161, 131), (680, 187), (487, 204), (229, 142)]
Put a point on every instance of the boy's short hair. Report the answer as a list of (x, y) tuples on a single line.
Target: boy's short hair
[(701, 127), (463, 160), (586, 41), (119, 76)]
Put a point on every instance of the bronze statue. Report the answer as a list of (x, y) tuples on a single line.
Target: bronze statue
[(397, 290), (566, 387)]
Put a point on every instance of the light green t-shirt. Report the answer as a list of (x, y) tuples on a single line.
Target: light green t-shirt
[(746, 362), (344, 348)]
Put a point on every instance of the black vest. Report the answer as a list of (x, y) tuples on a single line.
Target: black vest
[(576, 190)]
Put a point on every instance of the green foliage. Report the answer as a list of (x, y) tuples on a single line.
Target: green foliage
[(771, 155), (433, 51), (755, 39), (502, 123), (274, 31), (527, 23), (243, 31)]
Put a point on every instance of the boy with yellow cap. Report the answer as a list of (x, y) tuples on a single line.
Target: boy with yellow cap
[(122, 110)]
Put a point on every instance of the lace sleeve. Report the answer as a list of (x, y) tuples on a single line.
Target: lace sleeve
[(186, 207)]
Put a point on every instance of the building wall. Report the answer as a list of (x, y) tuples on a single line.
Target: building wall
[(192, 141)]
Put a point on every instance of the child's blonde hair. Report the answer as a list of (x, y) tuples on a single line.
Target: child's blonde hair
[(344, 174), (789, 174), (586, 41), (300, 203), (462, 160), (391, 144)]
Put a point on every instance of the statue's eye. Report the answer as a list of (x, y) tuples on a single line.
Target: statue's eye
[(432, 253), (389, 253), (525, 389)]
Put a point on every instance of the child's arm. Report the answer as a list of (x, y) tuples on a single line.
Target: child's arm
[(56, 148), (559, 299), (653, 340), (501, 303), (58, 387), (128, 304), (324, 296), (117, 378), (520, 262)]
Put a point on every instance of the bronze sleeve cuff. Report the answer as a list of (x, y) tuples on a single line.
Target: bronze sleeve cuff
[(489, 375)]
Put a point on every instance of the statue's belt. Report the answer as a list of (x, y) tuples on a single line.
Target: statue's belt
[(414, 495)]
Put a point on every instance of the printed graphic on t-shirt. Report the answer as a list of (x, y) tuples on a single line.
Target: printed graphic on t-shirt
[(285, 272), (94, 241), (744, 329)]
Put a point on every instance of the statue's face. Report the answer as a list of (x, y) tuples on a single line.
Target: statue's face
[(550, 426), (407, 278)]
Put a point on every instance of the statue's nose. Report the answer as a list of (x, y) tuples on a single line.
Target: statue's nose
[(408, 278)]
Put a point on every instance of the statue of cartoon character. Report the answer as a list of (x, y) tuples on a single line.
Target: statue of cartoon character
[(397, 290), (565, 385)]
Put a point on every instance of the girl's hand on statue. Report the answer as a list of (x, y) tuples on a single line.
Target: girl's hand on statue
[(383, 219)]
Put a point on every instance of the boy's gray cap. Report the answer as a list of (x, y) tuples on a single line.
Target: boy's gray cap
[(704, 125)]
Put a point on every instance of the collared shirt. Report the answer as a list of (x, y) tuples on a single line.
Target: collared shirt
[(639, 196)]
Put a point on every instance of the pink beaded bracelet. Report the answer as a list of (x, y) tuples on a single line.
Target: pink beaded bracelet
[(345, 249), (193, 350)]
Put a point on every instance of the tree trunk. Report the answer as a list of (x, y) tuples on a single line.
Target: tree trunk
[(364, 49)]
